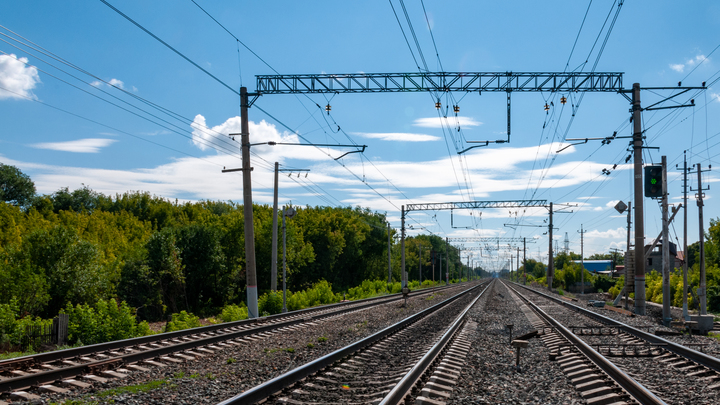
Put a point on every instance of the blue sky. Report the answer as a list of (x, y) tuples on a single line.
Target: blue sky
[(65, 136)]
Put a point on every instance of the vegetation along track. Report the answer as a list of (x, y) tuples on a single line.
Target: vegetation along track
[(649, 368), (388, 367), (47, 372)]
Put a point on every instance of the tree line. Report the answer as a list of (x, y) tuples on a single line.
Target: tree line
[(162, 256)]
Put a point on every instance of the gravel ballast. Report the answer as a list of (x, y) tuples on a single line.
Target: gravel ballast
[(233, 369)]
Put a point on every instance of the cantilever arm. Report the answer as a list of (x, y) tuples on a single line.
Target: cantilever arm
[(472, 147), (353, 151)]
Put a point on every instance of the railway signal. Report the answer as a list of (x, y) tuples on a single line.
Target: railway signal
[(653, 181)]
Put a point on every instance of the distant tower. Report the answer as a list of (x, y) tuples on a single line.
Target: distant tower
[(567, 244)]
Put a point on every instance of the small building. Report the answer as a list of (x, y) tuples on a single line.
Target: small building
[(654, 260), (597, 266)]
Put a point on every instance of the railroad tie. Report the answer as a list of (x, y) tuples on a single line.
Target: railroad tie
[(23, 396), (75, 383), (95, 378), (51, 389), (154, 363), (428, 401)]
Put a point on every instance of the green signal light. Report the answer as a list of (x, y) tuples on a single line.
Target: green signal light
[(653, 181)]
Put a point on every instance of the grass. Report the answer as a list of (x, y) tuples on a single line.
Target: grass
[(130, 389), (322, 339), (714, 335), (310, 345), (230, 361)]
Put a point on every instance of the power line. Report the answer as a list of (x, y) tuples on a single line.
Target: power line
[(169, 46)]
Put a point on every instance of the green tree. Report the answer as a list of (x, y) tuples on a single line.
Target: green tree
[(166, 269), (15, 186)]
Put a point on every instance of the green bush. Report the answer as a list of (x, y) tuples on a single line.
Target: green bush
[(319, 294), (22, 326), (603, 282), (181, 321), (8, 314), (105, 322), (231, 313), (270, 303)]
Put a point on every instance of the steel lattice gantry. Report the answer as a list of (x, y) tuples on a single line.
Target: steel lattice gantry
[(458, 205), (440, 81), (475, 205), (490, 239)]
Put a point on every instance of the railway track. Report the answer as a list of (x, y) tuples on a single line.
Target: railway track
[(54, 372), (417, 358), (619, 360)]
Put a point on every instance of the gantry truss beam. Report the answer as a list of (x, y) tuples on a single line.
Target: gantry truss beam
[(440, 81), (487, 248), (491, 239), (475, 205)]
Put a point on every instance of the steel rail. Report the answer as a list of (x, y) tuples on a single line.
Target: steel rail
[(118, 344), (684, 351), (406, 384), (277, 384), (635, 389), (45, 377)]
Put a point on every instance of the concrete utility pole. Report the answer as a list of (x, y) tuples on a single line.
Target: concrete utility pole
[(639, 200), (420, 262), (439, 266), (524, 263), (403, 276), (701, 291), (389, 256), (432, 259), (551, 268), (273, 261), (447, 262), (250, 272), (511, 263), (627, 252), (667, 317), (686, 315), (582, 260), (517, 265)]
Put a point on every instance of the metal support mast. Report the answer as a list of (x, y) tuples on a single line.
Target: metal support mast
[(403, 276), (639, 207), (524, 263), (665, 247), (250, 272), (389, 256), (273, 262), (582, 260), (701, 292), (551, 268), (686, 315)]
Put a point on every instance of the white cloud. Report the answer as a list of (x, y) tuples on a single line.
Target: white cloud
[(89, 145), (715, 96), (218, 137), (17, 79), (112, 82), (117, 83), (680, 67), (439, 122), (399, 136)]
